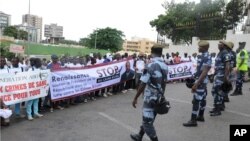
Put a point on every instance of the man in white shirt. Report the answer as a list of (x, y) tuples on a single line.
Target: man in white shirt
[(99, 59), (15, 68), (139, 67), (185, 58), (3, 70), (75, 63)]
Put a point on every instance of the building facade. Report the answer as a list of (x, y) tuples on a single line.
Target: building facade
[(34, 33), (138, 45), (5, 20), (53, 33), (34, 21), (247, 24)]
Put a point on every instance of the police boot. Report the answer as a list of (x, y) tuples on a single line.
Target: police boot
[(200, 118), (192, 122), (212, 110), (236, 92), (138, 137), (240, 92), (217, 111), (222, 106), (226, 98), (154, 139)]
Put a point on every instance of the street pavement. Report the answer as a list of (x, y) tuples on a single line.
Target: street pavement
[(114, 118)]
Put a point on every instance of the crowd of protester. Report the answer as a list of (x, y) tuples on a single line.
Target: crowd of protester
[(129, 79)]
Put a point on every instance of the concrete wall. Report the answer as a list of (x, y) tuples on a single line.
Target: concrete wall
[(235, 38), (191, 48)]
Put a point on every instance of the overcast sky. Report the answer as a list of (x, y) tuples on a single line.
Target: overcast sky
[(80, 17)]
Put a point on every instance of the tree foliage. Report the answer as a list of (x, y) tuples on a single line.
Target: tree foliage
[(12, 31), (4, 49), (84, 41), (206, 20), (105, 38), (234, 11)]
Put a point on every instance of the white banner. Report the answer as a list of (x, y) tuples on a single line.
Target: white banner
[(179, 71), (19, 87), (66, 83), (16, 48)]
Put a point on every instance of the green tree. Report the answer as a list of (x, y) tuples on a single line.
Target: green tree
[(84, 42), (106, 38), (22, 35), (10, 31), (14, 32), (182, 21), (4, 49), (234, 12)]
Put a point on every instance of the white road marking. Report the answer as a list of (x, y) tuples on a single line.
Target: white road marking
[(131, 129), (230, 111)]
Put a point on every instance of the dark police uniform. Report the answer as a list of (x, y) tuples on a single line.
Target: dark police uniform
[(154, 76), (199, 96), (199, 99), (218, 94), (232, 77)]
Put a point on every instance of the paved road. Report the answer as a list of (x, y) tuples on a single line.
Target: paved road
[(113, 119)]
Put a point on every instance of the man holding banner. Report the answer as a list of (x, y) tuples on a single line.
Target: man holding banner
[(16, 68), (199, 89), (4, 69), (34, 102)]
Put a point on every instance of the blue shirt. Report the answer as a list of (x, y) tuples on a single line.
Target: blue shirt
[(204, 61), (155, 76), (220, 62), (233, 59)]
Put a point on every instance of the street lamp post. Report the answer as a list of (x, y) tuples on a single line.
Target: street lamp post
[(95, 38), (28, 20)]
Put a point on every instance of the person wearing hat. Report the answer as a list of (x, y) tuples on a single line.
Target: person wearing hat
[(199, 89), (153, 82), (222, 71), (232, 67), (242, 68)]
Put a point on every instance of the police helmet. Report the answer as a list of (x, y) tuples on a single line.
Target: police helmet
[(190, 82)]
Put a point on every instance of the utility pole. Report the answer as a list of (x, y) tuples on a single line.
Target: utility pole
[(28, 20), (95, 38)]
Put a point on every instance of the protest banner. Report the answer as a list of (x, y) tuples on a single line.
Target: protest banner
[(66, 83), (16, 48), (180, 71), (19, 87)]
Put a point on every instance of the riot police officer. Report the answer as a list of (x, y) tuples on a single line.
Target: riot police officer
[(152, 83), (199, 89), (232, 67), (222, 71)]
